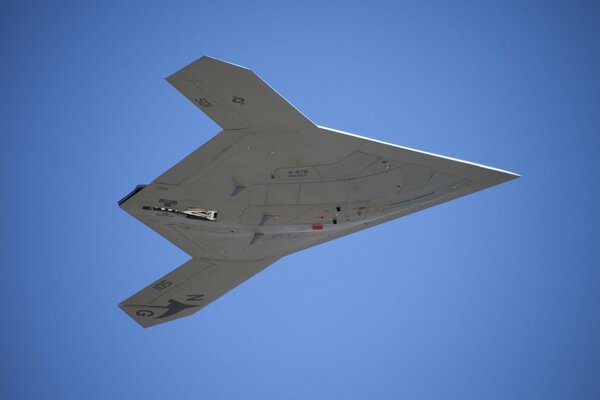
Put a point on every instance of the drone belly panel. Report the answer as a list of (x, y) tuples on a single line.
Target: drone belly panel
[(330, 192)]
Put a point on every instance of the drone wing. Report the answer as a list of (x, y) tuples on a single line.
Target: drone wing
[(235, 97), (188, 289)]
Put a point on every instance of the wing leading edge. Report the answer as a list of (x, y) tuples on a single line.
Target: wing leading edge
[(272, 183)]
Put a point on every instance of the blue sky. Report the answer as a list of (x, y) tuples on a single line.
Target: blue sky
[(495, 295)]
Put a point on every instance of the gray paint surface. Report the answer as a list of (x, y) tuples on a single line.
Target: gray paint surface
[(277, 183)]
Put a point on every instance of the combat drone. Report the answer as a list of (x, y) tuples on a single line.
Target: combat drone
[(272, 183)]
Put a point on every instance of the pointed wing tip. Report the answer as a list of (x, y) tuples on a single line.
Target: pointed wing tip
[(509, 176), (494, 176)]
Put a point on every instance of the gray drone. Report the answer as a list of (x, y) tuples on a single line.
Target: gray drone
[(270, 184)]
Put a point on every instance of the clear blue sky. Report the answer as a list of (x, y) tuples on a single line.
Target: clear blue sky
[(492, 296)]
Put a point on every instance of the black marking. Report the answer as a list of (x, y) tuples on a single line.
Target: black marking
[(195, 297), (202, 102), (163, 284), (238, 100), (172, 308), (144, 313), (167, 202), (298, 173)]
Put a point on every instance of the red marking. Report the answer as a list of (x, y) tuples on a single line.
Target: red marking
[(317, 227)]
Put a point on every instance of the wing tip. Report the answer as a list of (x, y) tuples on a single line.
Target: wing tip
[(200, 62), (122, 306), (506, 175), (206, 58)]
